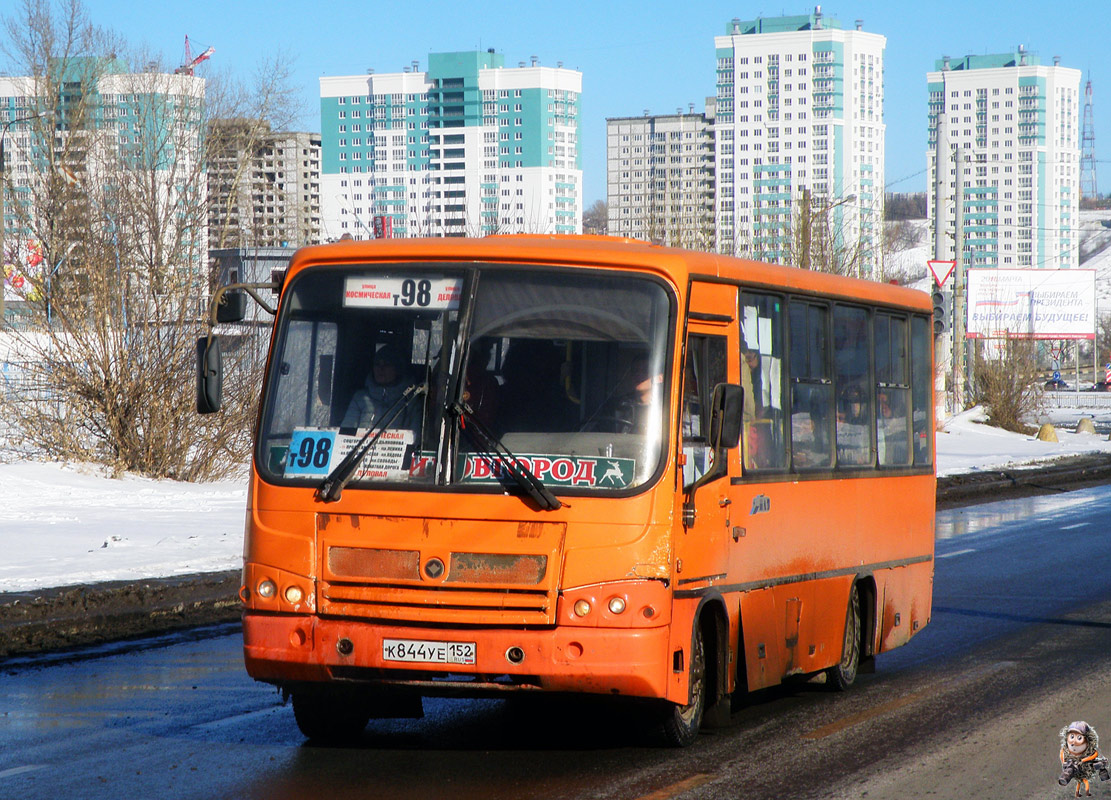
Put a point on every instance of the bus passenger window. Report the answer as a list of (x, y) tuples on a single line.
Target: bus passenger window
[(852, 349), (892, 391), (811, 387), (921, 380), (765, 445)]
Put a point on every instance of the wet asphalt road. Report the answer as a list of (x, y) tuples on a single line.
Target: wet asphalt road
[(1022, 596)]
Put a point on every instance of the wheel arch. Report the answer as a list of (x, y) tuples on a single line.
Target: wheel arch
[(869, 617), (712, 617)]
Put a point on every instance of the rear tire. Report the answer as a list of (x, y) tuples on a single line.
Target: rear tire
[(841, 677), (330, 714), (678, 725)]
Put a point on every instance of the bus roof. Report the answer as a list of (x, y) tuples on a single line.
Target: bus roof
[(612, 252)]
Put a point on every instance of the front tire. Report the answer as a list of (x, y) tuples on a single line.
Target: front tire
[(330, 715), (679, 725), (841, 676)]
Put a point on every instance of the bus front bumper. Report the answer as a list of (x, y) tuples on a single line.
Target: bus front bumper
[(289, 649)]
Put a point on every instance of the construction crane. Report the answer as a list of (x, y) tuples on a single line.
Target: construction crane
[(190, 63)]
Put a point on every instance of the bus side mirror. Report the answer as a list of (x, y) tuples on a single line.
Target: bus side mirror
[(210, 375), (232, 307), (727, 410)]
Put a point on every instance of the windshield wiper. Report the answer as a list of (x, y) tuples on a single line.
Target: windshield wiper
[(330, 490), (517, 470)]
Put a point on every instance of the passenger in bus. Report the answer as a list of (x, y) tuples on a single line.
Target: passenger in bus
[(810, 439), (633, 409), (853, 440), (481, 393), (891, 427), (384, 385), (756, 379)]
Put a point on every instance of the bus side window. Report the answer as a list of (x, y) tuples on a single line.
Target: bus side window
[(705, 368), (852, 349), (892, 391), (765, 445), (811, 387), (921, 380)]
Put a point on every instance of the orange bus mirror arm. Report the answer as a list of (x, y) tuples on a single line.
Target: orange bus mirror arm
[(233, 306)]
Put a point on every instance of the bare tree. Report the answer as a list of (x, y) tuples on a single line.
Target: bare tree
[(1005, 384), (595, 218), (114, 191)]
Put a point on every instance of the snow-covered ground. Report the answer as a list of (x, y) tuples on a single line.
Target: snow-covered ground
[(62, 525), (965, 444)]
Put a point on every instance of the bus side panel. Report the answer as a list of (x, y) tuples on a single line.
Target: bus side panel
[(683, 611), (799, 546), (904, 610), (763, 635), (814, 623)]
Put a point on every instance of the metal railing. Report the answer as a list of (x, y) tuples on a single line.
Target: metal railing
[(1070, 398)]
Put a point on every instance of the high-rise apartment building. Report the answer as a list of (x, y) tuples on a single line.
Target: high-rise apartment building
[(91, 119), (469, 147), (799, 138), (1007, 129), (263, 186), (94, 150), (660, 178)]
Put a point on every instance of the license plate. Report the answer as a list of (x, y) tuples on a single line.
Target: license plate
[(415, 651)]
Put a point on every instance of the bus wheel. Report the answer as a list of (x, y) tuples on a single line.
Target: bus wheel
[(678, 725), (329, 715), (841, 677)]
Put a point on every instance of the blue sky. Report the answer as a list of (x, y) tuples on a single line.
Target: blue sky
[(633, 55)]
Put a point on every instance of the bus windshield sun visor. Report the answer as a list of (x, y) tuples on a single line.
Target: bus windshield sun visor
[(331, 488), (521, 474)]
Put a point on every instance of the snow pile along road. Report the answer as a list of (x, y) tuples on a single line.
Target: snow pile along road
[(63, 525), (967, 445)]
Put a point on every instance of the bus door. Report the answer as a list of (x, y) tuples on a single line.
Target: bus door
[(711, 357)]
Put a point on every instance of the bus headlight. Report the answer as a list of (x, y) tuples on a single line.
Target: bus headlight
[(294, 595), (267, 589), (613, 604)]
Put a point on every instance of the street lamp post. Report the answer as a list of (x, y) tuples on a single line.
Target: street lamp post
[(3, 219)]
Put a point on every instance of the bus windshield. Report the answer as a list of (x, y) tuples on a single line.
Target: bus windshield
[(564, 371)]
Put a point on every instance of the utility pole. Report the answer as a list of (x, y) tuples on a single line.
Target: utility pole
[(804, 261), (959, 294), (942, 156)]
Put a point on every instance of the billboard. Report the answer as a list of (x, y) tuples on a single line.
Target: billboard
[(1031, 303)]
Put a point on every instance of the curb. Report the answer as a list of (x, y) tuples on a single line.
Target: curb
[(1065, 475), (81, 616)]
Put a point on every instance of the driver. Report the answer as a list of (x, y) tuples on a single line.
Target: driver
[(383, 386)]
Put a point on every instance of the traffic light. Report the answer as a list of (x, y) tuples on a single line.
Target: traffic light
[(943, 311)]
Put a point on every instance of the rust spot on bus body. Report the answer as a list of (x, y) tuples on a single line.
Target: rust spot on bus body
[(525, 570), (530, 530)]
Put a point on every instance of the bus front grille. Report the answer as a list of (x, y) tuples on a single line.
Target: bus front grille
[(438, 604), (461, 573)]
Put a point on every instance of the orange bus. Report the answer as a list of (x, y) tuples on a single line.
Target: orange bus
[(581, 464)]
